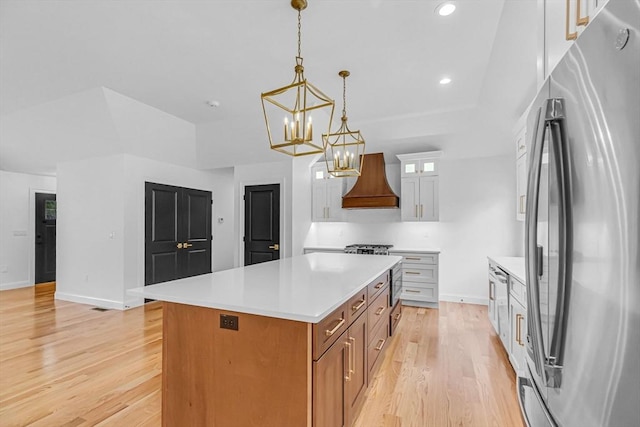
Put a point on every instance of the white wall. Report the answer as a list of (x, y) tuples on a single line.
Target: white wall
[(477, 219), (90, 231), (224, 215), (17, 226), (101, 225)]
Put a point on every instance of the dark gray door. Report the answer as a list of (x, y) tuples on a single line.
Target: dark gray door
[(46, 214), (177, 232), (261, 223)]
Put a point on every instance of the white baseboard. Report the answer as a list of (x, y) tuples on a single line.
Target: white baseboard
[(98, 302), (464, 299), (15, 285)]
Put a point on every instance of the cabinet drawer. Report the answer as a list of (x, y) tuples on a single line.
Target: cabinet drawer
[(424, 274), (427, 294), (374, 288), (356, 305), (328, 330), (378, 310), (430, 259), (377, 342)]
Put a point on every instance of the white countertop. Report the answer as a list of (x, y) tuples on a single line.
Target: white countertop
[(512, 265), (392, 249), (415, 250), (305, 288)]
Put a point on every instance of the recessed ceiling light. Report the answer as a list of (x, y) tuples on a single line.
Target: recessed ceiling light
[(445, 9), (213, 103), (445, 81)]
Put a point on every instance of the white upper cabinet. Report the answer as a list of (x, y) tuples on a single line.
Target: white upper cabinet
[(326, 202), (419, 186), (562, 21), (521, 171), (419, 164)]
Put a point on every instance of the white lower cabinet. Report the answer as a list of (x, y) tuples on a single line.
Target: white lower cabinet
[(419, 278)]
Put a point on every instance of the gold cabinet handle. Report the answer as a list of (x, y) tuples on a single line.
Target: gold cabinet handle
[(380, 310), (186, 245), (359, 305), (335, 328), (412, 272), (412, 258), (347, 377), (379, 285), (519, 319), (179, 245), (275, 247), (397, 316), (567, 34), (413, 291), (380, 344), (579, 20), (352, 359)]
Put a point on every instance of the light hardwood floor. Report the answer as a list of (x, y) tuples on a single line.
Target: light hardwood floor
[(65, 364)]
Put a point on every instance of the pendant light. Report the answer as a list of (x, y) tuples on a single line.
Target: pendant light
[(288, 110), (344, 148)]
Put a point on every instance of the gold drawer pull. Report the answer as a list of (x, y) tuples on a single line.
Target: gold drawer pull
[(413, 272), (333, 331), (413, 258), (380, 310), (379, 285), (412, 290), (380, 344), (359, 305), (397, 316)]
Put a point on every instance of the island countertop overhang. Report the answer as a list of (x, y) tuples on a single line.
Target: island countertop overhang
[(304, 288)]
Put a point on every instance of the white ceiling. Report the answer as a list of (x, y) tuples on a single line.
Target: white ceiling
[(175, 55)]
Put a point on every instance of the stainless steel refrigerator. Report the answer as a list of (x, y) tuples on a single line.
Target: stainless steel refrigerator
[(583, 234)]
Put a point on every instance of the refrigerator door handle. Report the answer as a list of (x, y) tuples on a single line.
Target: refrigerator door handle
[(565, 243), (534, 325)]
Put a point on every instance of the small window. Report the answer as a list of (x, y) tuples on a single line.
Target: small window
[(410, 168), (50, 210)]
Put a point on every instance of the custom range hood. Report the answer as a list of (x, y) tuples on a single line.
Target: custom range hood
[(371, 190)]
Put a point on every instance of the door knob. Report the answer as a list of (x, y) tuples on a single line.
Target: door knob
[(275, 247), (186, 245)]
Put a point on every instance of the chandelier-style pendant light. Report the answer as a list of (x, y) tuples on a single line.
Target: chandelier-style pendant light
[(295, 103), (344, 148)]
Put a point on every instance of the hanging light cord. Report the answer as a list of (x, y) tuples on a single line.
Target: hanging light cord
[(344, 96), (299, 33)]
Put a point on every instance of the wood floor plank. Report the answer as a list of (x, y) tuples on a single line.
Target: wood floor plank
[(64, 364)]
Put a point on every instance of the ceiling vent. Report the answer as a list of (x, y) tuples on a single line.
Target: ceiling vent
[(371, 190)]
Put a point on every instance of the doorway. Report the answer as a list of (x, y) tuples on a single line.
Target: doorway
[(177, 232), (46, 213), (261, 223)]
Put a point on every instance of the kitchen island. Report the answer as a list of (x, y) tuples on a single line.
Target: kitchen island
[(285, 343)]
